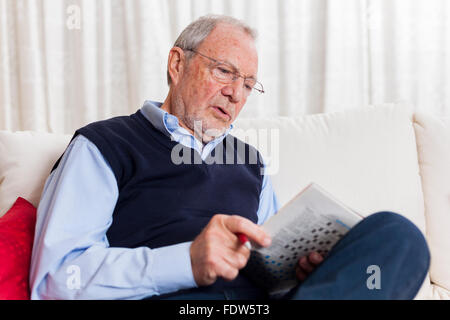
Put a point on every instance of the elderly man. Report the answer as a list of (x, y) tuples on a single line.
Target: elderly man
[(119, 219)]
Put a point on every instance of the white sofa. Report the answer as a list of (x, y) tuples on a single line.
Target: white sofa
[(376, 158)]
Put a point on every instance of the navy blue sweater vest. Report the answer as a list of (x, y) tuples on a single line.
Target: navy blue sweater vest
[(161, 202)]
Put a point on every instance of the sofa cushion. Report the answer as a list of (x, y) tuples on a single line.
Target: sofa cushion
[(26, 159), (16, 241), (365, 157), (433, 145)]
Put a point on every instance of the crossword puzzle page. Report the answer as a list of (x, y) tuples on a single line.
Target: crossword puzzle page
[(312, 221)]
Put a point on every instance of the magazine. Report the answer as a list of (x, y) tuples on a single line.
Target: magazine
[(312, 221)]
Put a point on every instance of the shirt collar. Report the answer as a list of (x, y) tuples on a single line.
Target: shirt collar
[(165, 122)]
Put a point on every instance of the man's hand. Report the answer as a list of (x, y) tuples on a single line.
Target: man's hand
[(307, 264), (217, 251)]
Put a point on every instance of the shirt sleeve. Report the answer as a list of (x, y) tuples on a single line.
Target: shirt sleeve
[(71, 257), (268, 202)]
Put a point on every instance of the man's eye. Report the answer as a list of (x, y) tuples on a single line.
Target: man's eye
[(249, 85), (224, 71)]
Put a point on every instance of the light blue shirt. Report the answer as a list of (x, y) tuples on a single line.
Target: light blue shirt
[(71, 256)]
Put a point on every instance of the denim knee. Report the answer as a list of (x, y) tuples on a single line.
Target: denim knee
[(400, 230)]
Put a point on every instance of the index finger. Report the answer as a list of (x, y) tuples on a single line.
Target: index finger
[(237, 224)]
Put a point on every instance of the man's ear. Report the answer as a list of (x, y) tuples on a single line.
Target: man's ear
[(176, 64)]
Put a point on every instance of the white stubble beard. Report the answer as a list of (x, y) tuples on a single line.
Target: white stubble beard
[(200, 127)]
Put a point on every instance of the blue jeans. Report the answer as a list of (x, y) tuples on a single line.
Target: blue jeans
[(386, 240)]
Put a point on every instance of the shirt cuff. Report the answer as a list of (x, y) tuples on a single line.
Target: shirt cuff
[(172, 269)]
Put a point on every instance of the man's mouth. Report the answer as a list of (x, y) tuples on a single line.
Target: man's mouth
[(222, 113)]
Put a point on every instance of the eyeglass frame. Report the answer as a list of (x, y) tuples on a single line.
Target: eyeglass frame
[(236, 73)]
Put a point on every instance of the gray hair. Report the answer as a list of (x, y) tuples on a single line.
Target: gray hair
[(196, 32)]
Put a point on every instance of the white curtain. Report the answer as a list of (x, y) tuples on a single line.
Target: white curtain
[(64, 64)]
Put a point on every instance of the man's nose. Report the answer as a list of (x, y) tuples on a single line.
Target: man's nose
[(234, 90)]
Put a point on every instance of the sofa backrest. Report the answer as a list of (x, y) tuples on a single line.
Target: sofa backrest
[(26, 159), (433, 145), (366, 158)]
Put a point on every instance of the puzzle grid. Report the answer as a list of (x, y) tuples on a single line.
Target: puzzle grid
[(278, 264)]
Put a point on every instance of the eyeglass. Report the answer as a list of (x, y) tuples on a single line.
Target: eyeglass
[(227, 74)]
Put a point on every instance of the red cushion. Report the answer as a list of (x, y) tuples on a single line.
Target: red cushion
[(16, 242)]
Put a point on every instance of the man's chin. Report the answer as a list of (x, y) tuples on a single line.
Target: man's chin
[(208, 130), (212, 133)]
